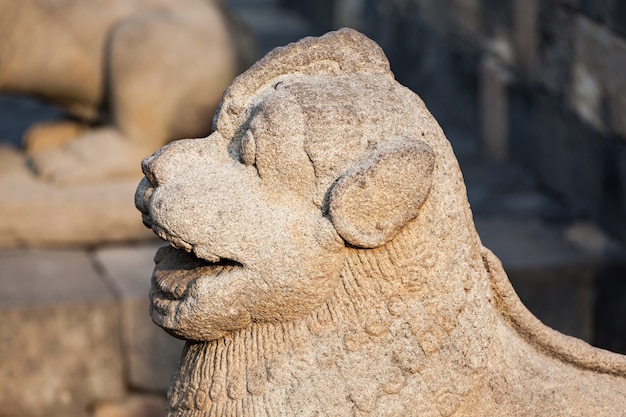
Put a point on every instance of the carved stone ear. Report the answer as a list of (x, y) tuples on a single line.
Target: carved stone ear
[(373, 200)]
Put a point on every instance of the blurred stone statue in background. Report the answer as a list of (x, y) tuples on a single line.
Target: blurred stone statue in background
[(135, 74)]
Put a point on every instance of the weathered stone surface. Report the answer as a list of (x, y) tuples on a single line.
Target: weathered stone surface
[(328, 264), (59, 335), (150, 354)]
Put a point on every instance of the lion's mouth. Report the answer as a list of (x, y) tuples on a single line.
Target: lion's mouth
[(176, 268)]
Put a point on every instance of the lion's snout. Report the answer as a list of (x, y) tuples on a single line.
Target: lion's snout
[(142, 197), (157, 168), (149, 167)]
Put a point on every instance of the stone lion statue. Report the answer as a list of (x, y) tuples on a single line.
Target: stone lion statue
[(324, 261), (148, 71)]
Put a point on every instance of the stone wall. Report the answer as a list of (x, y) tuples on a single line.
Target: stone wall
[(536, 82), (76, 339)]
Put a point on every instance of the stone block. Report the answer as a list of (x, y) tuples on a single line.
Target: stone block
[(554, 280), (59, 335), (151, 355)]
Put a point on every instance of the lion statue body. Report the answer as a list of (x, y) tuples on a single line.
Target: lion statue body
[(147, 71), (324, 261)]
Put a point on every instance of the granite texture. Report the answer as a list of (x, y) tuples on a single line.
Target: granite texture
[(324, 260)]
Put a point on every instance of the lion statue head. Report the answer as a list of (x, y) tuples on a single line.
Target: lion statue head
[(309, 160)]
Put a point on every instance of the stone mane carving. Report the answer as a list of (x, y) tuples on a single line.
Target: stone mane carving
[(324, 261)]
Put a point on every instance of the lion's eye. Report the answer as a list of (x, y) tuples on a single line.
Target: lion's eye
[(248, 149)]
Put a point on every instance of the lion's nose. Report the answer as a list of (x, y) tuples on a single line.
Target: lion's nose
[(142, 196), (163, 163), (147, 169), (173, 160)]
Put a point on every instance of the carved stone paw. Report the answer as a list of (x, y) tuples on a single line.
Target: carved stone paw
[(95, 156)]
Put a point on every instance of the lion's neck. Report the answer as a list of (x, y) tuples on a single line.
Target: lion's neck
[(375, 343), (269, 369), (235, 376)]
